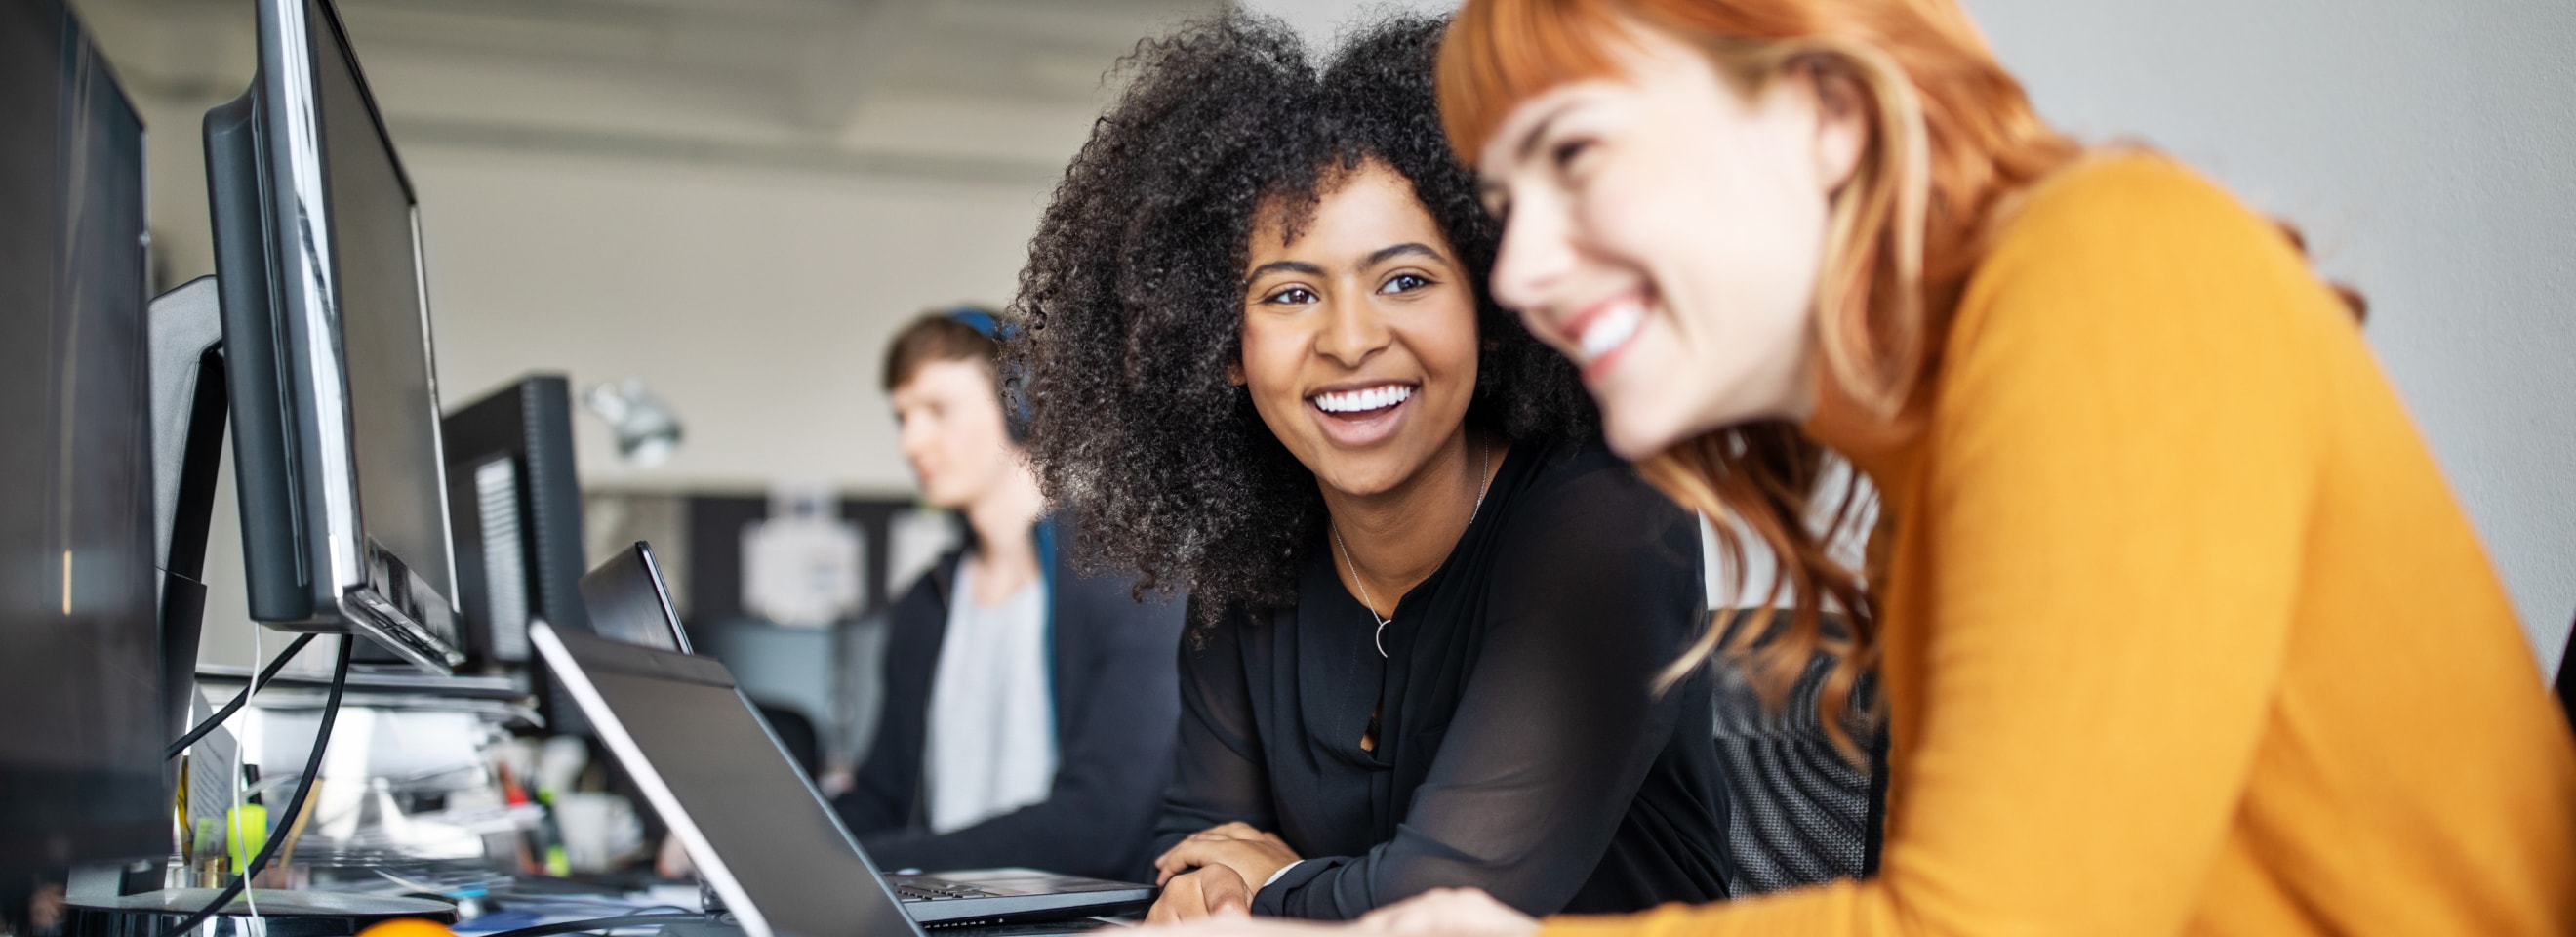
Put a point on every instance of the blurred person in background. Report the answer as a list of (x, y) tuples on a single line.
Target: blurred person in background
[(2181, 629), (1028, 710)]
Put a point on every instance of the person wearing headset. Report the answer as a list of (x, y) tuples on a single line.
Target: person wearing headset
[(1029, 712)]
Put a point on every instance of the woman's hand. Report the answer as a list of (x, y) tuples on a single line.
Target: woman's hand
[(1450, 912), (1209, 892), (1215, 872), (1254, 856)]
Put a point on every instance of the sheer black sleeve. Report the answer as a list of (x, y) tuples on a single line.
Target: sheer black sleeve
[(1596, 588), (1218, 773)]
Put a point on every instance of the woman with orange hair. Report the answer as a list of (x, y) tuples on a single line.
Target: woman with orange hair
[(2179, 628)]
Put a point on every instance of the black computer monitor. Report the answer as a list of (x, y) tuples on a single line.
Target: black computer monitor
[(516, 511), (81, 721), (327, 354)]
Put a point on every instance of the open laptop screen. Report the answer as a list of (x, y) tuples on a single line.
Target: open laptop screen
[(629, 601), (756, 829)]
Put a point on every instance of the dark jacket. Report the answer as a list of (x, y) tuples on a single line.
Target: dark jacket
[(1117, 700)]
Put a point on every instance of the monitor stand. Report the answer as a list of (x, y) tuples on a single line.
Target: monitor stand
[(189, 412), (189, 409), (188, 399)]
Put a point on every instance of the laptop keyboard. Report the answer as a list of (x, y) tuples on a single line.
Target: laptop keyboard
[(931, 889)]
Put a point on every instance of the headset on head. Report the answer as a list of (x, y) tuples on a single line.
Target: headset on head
[(1015, 419), (1015, 404)]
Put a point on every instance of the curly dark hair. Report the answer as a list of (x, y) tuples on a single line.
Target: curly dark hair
[(1133, 296)]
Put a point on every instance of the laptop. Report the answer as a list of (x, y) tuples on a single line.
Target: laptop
[(629, 602), (760, 834)]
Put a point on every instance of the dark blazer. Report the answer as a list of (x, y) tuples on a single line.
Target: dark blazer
[(1117, 700)]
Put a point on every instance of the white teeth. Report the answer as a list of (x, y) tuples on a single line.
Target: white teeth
[(1611, 329), (1363, 400)]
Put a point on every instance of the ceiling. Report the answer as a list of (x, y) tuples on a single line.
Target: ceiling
[(1000, 89)]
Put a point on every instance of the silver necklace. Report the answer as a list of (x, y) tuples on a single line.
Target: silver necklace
[(1484, 480)]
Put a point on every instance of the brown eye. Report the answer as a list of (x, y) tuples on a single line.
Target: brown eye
[(1292, 296), (1564, 153), (1404, 283)]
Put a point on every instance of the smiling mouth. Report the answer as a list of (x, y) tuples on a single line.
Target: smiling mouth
[(1607, 327), (1362, 402)]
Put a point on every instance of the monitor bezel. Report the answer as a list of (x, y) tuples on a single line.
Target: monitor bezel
[(349, 584)]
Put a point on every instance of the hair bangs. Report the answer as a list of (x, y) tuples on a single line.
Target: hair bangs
[(1500, 54)]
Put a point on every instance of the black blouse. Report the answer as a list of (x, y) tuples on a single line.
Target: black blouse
[(1521, 748)]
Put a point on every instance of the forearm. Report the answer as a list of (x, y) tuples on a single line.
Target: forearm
[(872, 804), (1317, 888), (1056, 837)]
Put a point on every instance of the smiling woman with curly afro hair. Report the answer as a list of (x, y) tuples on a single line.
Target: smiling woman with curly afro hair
[(1428, 608), (1135, 283)]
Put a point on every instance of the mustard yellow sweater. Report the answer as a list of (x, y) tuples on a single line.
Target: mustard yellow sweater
[(2184, 632)]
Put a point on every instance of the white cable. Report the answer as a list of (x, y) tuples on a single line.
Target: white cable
[(232, 825)]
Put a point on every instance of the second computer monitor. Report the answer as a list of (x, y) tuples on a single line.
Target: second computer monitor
[(327, 350), (515, 503)]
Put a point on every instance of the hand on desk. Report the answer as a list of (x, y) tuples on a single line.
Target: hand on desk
[(1216, 871), (1211, 892)]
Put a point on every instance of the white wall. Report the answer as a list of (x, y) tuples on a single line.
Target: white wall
[(757, 302), (2429, 149)]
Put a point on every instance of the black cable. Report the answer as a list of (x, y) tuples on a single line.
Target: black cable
[(597, 923), (286, 821), (266, 674)]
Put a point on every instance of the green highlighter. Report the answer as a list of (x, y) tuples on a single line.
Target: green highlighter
[(247, 825)]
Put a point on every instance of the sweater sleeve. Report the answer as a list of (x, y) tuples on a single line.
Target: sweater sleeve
[(2114, 494)]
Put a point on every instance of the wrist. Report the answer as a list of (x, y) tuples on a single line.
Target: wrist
[(1277, 874)]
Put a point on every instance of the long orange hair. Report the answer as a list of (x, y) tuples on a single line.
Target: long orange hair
[(1954, 139)]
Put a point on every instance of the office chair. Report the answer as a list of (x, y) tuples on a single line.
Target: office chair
[(2567, 676), (796, 732), (1798, 813)]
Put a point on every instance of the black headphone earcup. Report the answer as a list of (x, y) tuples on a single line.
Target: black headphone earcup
[(1015, 403)]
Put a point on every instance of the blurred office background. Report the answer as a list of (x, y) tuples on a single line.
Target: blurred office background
[(736, 201)]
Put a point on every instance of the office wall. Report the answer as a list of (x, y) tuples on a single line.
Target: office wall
[(755, 301), (2429, 149)]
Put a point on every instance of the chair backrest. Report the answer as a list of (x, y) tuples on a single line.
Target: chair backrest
[(796, 731), (1798, 813)]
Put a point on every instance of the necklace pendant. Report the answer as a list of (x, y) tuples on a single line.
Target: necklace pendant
[(1484, 480)]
